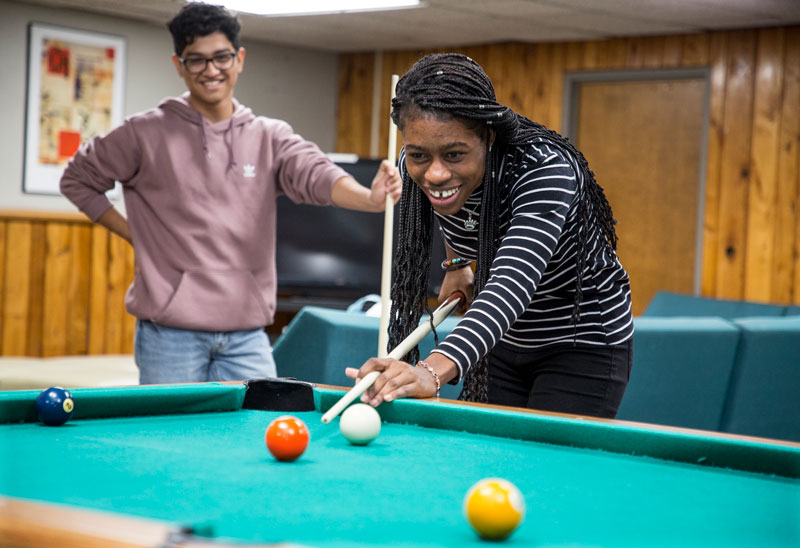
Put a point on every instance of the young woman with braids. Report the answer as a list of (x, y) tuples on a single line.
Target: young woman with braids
[(550, 325)]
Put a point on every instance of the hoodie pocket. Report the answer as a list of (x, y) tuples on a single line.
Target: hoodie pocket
[(215, 300)]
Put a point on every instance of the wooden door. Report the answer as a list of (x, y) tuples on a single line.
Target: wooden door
[(644, 142)]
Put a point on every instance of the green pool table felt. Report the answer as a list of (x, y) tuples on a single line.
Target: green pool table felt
[(405, 489)]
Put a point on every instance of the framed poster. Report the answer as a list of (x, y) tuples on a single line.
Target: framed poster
[(74, 92)]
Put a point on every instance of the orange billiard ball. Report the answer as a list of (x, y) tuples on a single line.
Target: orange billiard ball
[(287, 438), (494, 508)]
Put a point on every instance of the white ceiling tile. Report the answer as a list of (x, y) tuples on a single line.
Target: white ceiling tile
[(443, 23)]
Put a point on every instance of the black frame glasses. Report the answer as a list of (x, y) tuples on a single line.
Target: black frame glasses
[(198, 65)]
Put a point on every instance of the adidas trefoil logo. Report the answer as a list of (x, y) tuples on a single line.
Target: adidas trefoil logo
[(249, 171)]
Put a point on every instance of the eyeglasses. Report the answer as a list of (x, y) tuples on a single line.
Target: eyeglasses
[(196, 64)]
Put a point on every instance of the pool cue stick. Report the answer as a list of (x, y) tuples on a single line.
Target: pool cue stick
[(399, 351), (388, 227)]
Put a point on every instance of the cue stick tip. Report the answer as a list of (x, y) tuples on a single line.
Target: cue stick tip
[(360, 387)]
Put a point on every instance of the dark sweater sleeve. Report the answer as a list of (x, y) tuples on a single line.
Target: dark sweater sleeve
[(540, 198), (97, 165)]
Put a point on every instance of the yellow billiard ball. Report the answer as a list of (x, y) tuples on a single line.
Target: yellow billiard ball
[(494, 508)]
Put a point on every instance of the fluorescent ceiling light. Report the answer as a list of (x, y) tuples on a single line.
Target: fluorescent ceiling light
[(308, 7)]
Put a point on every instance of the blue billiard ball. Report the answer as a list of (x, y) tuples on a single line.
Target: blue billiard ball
[(54, 406)]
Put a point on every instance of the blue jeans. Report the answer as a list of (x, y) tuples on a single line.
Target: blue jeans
[(169, 355)]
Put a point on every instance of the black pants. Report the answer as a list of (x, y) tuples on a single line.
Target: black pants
[(579, 379)]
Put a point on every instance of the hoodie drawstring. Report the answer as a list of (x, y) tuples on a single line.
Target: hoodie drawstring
[(180, 107), (203, 125), (231, 145), (231, 148)]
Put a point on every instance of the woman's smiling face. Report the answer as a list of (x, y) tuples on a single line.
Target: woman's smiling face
[(445, 158)]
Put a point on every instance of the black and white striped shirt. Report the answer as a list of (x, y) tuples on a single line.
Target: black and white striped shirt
[(528, 300)]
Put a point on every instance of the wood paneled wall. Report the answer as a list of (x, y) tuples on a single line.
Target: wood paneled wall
[(751, 229), (62, 286)]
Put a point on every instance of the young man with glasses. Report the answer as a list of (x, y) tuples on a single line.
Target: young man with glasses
[(200, 174)]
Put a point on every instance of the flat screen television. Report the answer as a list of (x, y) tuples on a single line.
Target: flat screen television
[(332, 256)]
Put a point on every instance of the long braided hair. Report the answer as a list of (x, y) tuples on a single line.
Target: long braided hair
[(453, 86)]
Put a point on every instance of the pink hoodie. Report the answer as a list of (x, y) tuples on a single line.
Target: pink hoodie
[(200, 201)]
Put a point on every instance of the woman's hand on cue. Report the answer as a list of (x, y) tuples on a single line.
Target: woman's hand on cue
[(397, 380), (458, 280)]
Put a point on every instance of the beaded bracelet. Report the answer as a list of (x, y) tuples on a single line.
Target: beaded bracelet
[(435, 376), (455, 264)]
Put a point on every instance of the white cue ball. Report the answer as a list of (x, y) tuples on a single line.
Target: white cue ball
[(360, 424)]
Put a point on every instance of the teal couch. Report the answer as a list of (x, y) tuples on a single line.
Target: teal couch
[(667, 304), (760, 364), (792, 311), (764, 394), (681, 371), (319, 343)]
